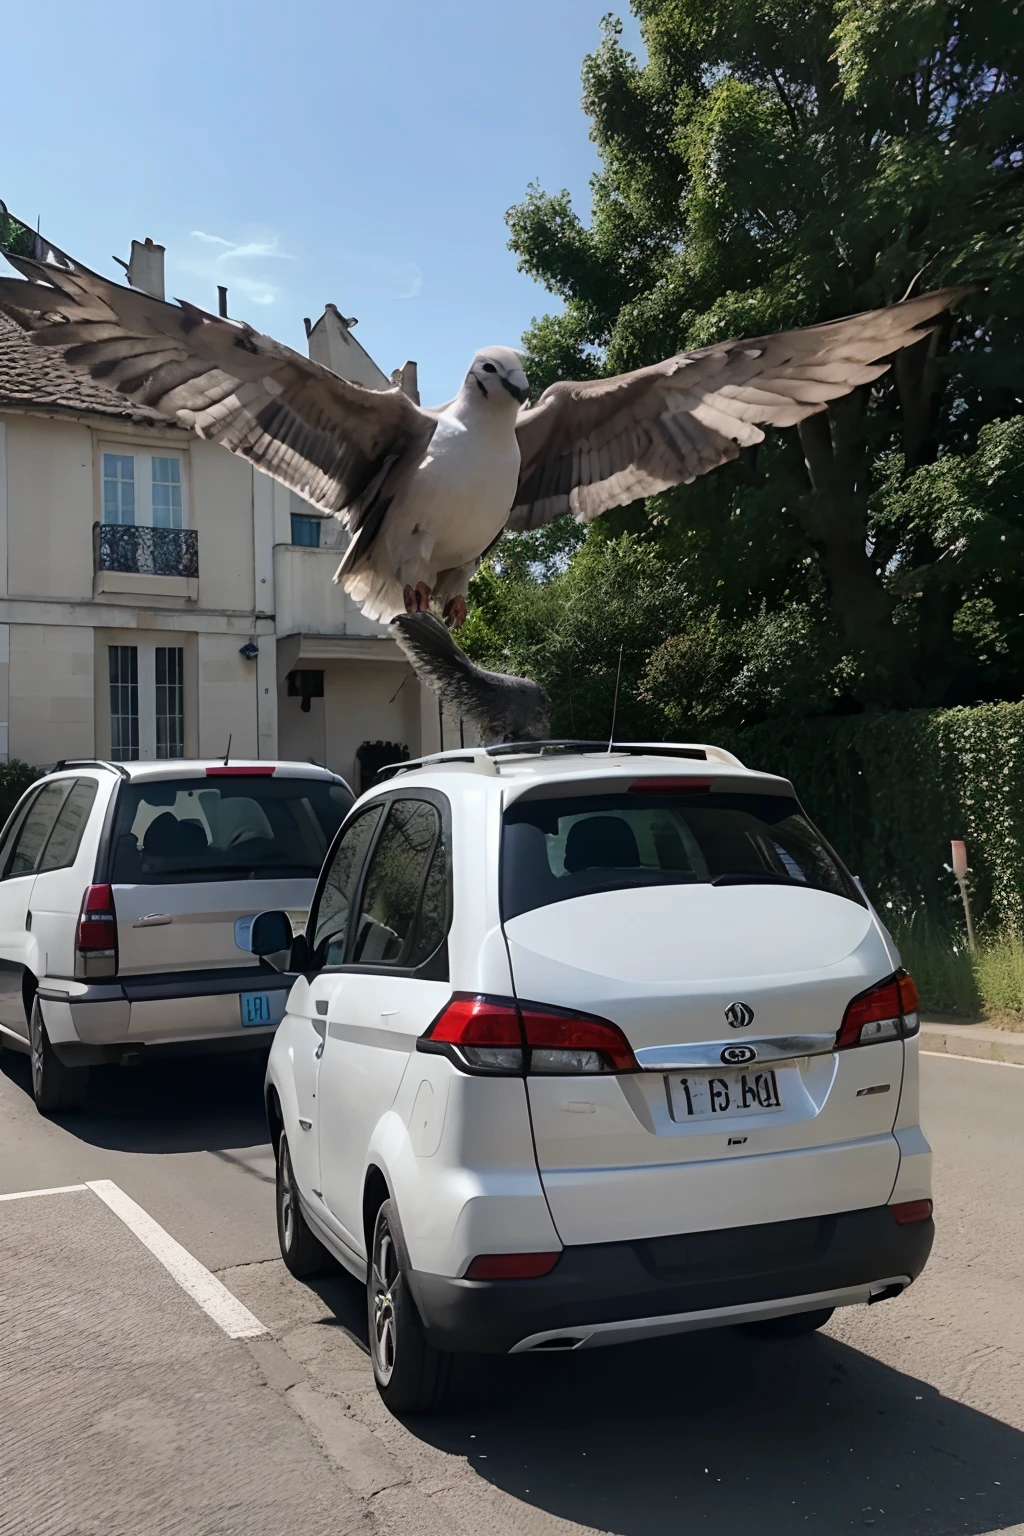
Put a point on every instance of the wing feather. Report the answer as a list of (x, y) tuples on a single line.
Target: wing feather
[(587, 447), (322, 436)]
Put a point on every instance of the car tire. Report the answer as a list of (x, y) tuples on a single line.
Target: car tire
[(411, 1375), (302, 1251), (792, 1327), (56, 1088)]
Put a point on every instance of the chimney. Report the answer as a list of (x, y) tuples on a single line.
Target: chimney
[(407, 380), (146, 268), (222, 301)]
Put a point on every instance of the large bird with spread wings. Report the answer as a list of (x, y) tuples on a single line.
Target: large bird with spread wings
[(423, 492)]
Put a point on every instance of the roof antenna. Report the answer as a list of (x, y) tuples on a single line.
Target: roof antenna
[(440, 722), (227, 751), (615, 705)]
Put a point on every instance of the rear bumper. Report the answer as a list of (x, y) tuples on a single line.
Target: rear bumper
[(89, 1023), (610, 1292)]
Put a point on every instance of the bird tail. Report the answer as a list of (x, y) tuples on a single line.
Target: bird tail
[(432, 651), (501, 708)]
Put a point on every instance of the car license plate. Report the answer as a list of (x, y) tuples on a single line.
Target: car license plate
[(705, 1095), (255, 1008)]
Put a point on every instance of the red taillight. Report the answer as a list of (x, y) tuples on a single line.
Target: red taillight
[(477, 1021), (497, 1034), (512, 1266), (97, 922), (907, 1212), (887, 1011), (675, 786), (228, 772), (552, 1036), (908, 992)]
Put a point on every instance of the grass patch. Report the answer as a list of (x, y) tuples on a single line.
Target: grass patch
[(987, 984)]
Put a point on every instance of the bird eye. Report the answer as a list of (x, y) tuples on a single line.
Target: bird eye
[(489, 368)]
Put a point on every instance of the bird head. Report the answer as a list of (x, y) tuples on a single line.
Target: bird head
[(496, 372)]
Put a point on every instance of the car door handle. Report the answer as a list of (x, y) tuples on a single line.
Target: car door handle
[(153, 920)]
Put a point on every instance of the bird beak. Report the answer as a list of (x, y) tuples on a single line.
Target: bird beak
[(515, 391)]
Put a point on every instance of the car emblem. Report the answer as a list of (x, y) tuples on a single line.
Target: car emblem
[(735, 1055), (739, 1015)]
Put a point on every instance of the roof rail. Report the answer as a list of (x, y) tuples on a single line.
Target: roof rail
[(476, 757), (629, 748), (483, 758), (90, 762)]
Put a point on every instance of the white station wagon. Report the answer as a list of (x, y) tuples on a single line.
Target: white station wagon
[(588, 1046), (127, 891)]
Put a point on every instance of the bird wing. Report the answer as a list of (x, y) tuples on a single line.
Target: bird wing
[(342, 447), (591, 446)]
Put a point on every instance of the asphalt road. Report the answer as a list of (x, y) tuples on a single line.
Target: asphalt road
[(140, 1416)]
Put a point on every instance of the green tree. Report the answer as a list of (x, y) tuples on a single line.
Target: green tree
[(775, 163)]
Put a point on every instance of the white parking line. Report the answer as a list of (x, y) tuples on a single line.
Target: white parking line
[(983, 1061), (204, 1288), (58, 1189)]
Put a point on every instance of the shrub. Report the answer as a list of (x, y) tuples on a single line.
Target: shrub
[(15, 778)]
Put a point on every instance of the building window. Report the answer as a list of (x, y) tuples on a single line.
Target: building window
[(166, 493), (170, 701), (144, 489), (124, 703), (118, 488), (306, 530), (147, 702)]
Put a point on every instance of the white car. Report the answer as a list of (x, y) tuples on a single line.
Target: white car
[(590, 1046), (127, 891)]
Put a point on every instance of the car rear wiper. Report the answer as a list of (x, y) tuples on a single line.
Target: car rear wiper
[(739, 879)]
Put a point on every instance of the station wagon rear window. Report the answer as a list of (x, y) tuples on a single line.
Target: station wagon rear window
[(558, 847), (244, 828)]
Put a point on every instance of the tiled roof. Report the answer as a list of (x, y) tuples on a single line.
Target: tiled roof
[(37, 378)]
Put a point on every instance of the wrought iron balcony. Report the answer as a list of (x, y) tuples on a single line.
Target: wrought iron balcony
[(146, 551)]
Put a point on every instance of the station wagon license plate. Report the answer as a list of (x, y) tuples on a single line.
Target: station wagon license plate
[(701, 1095), (255, 1008)]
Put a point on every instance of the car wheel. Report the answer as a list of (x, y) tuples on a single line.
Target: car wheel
[(303, 1253), (411, 1376), (55, 1087), (792, 1327)]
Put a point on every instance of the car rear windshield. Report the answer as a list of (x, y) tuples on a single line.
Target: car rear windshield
[(556, 848), (237, 828)]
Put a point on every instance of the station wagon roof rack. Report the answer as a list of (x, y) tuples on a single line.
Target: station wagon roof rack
[(630, 748), (90, 762), (484, 758)]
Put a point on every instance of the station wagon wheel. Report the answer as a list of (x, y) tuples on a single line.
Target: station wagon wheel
[(302, 1251), (411, 1374), (55, 1087)]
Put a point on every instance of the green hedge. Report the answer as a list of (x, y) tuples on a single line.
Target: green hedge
[(891, 790), (15, 778)]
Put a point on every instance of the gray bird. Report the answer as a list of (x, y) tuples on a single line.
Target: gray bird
[(502, 708), (426, 492)]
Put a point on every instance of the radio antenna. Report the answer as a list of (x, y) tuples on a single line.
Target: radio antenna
[(615, 703), (227, 751)]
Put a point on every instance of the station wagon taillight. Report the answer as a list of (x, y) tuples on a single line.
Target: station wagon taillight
[(887, 1011), (96, 938), (503, 1035)]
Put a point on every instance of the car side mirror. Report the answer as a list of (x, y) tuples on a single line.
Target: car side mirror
[(271, 936), (271, 932)]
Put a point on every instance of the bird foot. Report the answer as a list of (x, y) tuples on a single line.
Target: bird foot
[(417, 598), (455, 611)]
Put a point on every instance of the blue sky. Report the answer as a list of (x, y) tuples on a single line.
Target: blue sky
[(326, 150)]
